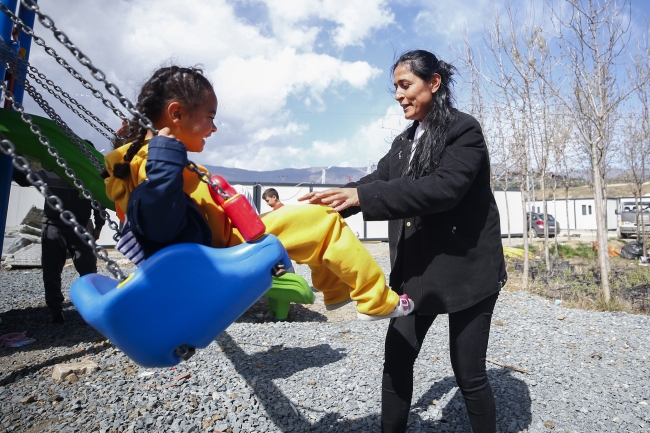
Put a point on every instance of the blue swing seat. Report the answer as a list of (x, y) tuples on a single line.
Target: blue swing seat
[(179, 300)]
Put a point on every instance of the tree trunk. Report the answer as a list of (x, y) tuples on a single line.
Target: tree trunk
[(601, 229), (557, 248), (547, 256), (568, 223), (524, 277), (507, 209)]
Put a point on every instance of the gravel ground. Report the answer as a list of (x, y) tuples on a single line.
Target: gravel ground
[(321, 372)]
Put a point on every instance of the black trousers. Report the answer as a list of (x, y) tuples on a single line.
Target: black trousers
[(56, 242), (469, 331)]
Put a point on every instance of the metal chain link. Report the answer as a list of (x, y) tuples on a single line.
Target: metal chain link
[(205, 177), (20, 163), (45, 141), (61, 61)]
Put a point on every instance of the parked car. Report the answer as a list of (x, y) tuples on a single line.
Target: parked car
[(629, 215), (537, 225)]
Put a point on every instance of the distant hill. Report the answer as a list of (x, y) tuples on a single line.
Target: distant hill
[(334, 175)]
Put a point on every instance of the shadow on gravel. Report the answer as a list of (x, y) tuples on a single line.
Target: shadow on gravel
[(259, 313), (36, 321), (513, 404), (279, 362)]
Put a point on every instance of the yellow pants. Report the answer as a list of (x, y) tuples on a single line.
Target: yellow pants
[(341, 267)]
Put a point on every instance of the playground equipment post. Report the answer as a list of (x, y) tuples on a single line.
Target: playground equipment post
[(6, 164)]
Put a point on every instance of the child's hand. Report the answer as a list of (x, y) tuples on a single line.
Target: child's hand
[(165, 132)]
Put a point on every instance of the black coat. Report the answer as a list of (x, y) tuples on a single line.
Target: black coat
[(443, 230)]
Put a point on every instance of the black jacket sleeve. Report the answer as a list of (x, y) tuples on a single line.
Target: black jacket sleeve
[(403, 197), (381, 174)]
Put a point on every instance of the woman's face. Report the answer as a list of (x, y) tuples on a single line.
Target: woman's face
[(413, 93)]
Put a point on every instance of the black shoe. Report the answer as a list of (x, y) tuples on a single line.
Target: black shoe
[(57, 318)]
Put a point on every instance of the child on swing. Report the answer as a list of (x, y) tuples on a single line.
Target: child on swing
[(163, 203)]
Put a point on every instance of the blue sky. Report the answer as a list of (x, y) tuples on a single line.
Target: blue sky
[(301, 83)]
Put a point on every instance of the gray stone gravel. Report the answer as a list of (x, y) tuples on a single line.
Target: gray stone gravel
[(588, 372)]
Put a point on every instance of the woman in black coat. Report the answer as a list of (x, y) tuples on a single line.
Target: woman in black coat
[(433, 187)]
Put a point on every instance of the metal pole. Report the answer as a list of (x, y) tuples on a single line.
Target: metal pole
[(257, 196), (25, 42), (6, 170), (6, 26), (6, 163)]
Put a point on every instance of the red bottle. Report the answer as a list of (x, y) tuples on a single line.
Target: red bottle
[(239, 210)]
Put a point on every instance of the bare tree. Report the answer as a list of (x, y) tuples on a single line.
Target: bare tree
[(593, 36), (508, 85), (636, 148)]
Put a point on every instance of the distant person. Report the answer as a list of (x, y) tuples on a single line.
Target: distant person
[(58, 239), (272, 198)]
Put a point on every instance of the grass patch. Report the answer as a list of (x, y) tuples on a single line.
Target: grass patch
[(578, 282), (585, 251)]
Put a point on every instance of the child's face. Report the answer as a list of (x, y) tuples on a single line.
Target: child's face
[(271, 201), (195, 127)]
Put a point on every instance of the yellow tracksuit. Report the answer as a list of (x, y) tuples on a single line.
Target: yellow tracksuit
[(314, 235)]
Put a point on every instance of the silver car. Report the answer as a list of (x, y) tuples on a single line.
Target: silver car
[(535, 225)]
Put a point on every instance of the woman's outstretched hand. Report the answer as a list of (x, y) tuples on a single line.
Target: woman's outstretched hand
[(336, 198)]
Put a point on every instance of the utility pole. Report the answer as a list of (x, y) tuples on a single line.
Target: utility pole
[(322, 176)]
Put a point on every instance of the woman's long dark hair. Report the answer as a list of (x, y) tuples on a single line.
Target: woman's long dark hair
[(173, 83), (441, 115)]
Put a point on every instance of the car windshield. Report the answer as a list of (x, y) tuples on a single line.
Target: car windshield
[(539, 216), (631, 207)]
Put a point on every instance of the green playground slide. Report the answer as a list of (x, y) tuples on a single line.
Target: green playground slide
[(27, 145), (286, 289)]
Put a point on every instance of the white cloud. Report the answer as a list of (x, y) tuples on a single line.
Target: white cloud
[(265, 82), (371, 141), (449, 19), (355, 19)]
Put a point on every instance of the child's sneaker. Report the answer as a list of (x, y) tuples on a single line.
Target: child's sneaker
[(404, 307)]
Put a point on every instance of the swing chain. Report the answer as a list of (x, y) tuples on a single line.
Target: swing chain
[(54, 116), (67, 104), (60, 161), (61, 124), (18, 68), (205, 177), (61, 61), (34, 71), (20, 163)]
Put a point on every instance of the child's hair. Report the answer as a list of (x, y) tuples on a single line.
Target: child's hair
[(173, 83), (271, 192)]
